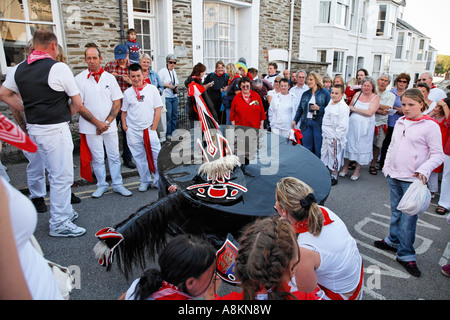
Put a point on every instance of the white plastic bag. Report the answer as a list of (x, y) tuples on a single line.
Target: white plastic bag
[(416, 199)]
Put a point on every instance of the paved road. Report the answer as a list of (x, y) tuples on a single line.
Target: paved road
[(363, 205)]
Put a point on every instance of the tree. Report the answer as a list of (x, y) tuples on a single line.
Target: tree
[(442, 64)]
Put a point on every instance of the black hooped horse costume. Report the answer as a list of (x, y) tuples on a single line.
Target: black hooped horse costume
[(215, 197)]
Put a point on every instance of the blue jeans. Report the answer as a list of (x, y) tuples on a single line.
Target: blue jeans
[(172, 115), (312, 137), (402, 233)]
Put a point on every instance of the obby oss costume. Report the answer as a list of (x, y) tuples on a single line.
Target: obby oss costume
[(215, 197)]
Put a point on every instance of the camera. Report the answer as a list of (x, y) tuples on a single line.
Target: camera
[(314, 112)]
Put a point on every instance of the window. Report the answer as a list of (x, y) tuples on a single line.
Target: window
[(338, 61), (325, 12), (342, 11), (360, 63), (420, 54), (353, 17), (429, 60), (18, 21), (143, 6), (399, 48), (387, 63), (363, 26), (322, 55), (376, 66), (381, 20), (219, 34)]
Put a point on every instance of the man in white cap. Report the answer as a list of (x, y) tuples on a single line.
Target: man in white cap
[(101, 95)]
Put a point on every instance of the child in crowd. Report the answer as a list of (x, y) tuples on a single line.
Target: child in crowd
[(141, 111), (327, 83), (187, 265), (334, 131), (415, 137), (267, 257), (134, 48)]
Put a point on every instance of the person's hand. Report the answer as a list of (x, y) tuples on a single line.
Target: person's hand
[(293, 124), (421, 177), (172, 188)]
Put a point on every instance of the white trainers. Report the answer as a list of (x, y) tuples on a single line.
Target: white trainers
[(68, 229), (122, 190), (143, 186), (99, 192)]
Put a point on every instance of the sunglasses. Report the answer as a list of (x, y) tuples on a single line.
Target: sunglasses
[(172, 62), (402, 81)]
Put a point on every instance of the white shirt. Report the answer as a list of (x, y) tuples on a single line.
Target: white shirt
[(271, 78), (437, 94), (340, 261), (335, 121), (98, 99), (282, 110), (60, 78), (168, 77), (298, 92), (140, 113), (38, 275), (387, 98)]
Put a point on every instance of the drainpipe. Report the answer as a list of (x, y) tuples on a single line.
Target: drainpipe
[(291, 25), (121, 31)]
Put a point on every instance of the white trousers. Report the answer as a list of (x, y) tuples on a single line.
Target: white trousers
[(56, 151), (444, 199), (135, 140), (111, 143), (35, 175)]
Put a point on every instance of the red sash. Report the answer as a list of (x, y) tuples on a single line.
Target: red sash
[(137, 90), (378, 128), (148, 151), (336, 296), (85, 159)]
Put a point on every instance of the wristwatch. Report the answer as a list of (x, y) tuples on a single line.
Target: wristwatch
[(107, 122)]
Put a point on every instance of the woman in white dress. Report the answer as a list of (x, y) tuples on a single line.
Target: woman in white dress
[(282, 110), (275, 90), (361, 128)]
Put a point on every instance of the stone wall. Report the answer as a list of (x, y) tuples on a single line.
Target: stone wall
[(274, 29), (91, 21), (182, 37)]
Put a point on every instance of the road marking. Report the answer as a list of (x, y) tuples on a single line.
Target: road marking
[(445, 256)]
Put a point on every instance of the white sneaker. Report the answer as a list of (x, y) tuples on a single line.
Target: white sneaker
[(68, 229), (73, 216), (143, 186), (122, 190), (99, 192)]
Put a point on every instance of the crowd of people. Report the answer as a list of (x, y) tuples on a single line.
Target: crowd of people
[(304, 252)]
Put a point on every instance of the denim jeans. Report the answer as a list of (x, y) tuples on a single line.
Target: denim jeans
[(312, 137), (402, 233), (172, 115)]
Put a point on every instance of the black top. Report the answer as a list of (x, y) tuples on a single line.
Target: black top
[(42, 104)]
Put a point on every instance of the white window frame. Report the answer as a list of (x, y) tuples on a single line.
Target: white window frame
[(421, 50), (377, 63), (342, 13), (56, 23), (382, 22), (338, 61), (400, 45), (325, 12), (230, 37)]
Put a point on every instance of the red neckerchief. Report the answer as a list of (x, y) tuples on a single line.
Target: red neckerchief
[(170, 292), (246, 99), (302, 226), (198, 78), (219, 75), (432, 86), (134, 41), (147, 80), (96, 74), (137, 90), (231, 80), (38, 55)]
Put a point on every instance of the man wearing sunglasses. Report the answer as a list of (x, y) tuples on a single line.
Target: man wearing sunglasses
[(436, 94), (170, 82)]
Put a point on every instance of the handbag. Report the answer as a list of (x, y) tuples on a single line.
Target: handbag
[(416, 199), (62, 274)]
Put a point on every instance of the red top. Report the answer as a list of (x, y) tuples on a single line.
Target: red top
[(247, 114)]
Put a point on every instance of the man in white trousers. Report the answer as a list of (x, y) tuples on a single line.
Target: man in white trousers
[(101, 95), (45, 86), (141, 111)]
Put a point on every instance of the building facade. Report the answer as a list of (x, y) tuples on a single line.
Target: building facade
[(369, 34), (195, 31)]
